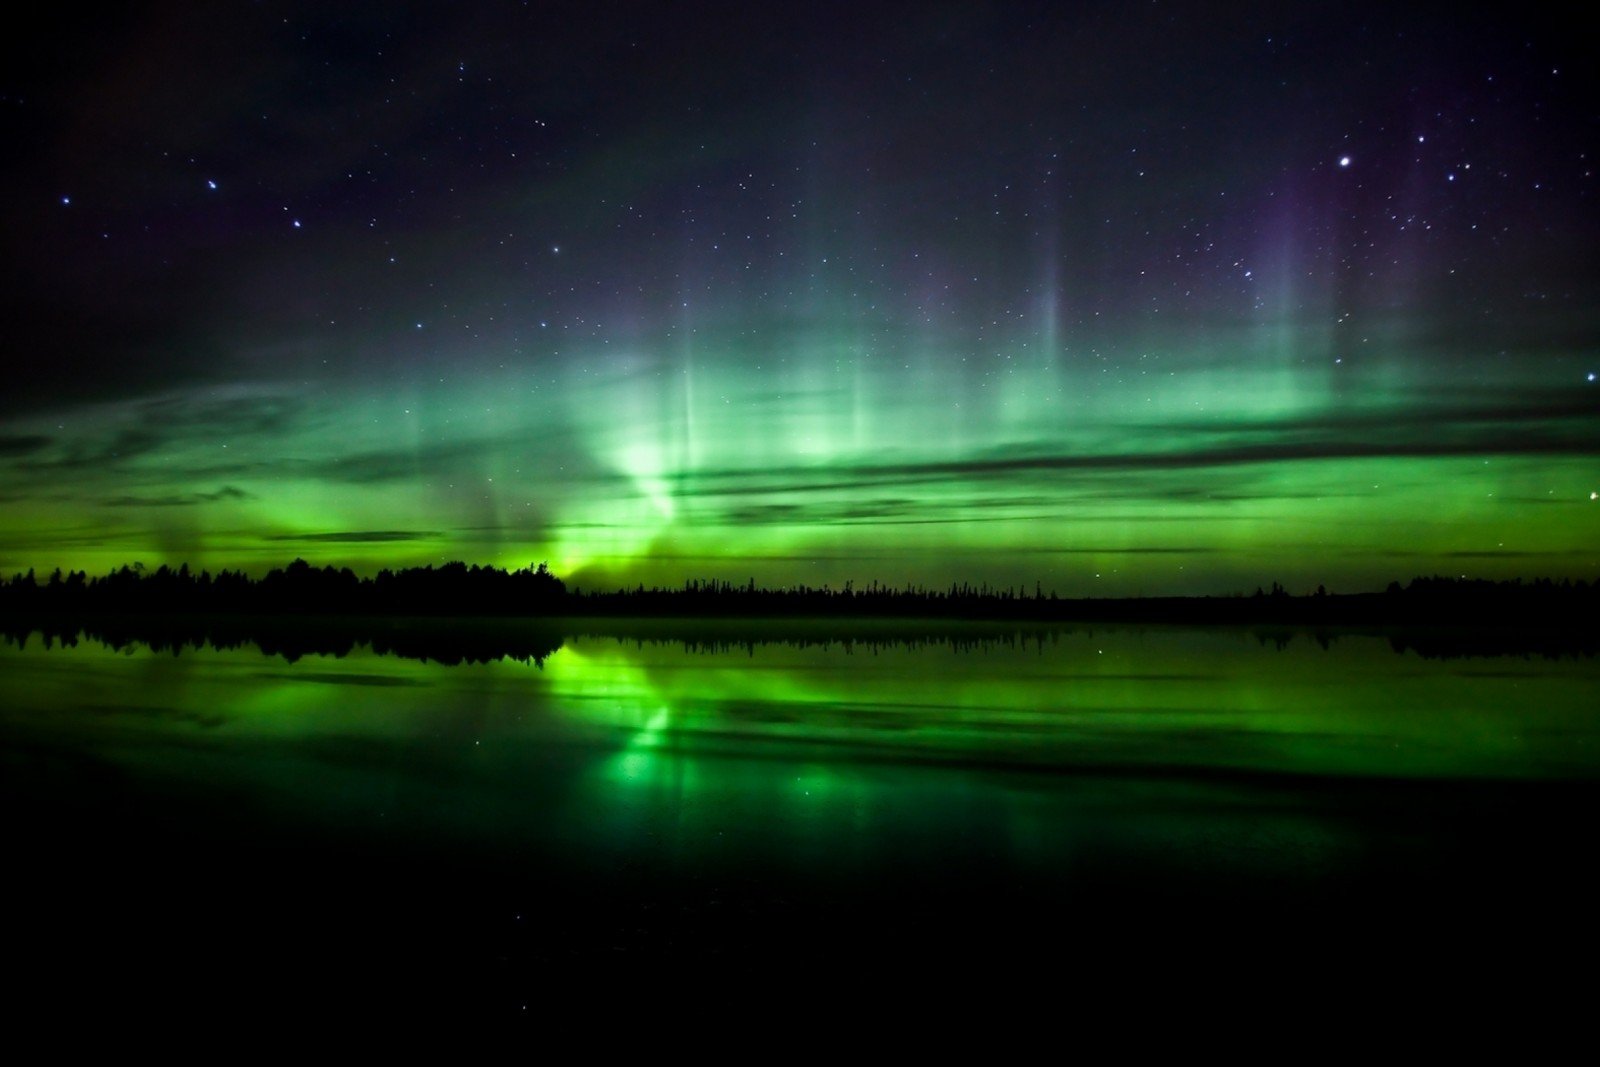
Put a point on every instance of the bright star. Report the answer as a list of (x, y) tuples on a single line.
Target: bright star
[(210, 184), (66, 199), (1344, 161), (297, 224)]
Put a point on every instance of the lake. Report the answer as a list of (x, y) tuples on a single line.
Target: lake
[(739, 800)]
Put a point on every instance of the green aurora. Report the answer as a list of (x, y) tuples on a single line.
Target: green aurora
[(809, 299), (1207, 470)]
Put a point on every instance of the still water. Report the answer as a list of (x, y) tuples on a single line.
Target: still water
[(749, 798)]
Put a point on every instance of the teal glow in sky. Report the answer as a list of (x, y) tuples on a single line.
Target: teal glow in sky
[(908, 303)]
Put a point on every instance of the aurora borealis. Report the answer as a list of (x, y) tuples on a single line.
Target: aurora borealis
[(1119, 299)]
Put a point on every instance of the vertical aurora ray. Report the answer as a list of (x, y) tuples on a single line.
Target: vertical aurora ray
[(908, 315), (1180, 475)]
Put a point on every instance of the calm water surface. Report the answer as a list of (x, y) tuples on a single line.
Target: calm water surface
[(449, 837)]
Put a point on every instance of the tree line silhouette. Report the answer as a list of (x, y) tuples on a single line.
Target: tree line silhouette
[(454, 589), (457, 590)]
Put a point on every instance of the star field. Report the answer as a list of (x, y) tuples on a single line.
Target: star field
[(1117, 298)]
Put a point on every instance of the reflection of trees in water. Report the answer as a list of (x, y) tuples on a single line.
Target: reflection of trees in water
[(456, 641), (440, 641), (458, 591)]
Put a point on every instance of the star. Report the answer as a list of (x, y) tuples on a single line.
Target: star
[(1014, 300)]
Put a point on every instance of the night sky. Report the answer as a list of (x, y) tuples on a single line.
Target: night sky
[(1126, 298)]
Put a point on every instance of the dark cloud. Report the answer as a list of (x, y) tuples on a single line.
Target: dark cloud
[(882, 509), (156, 425), (1533, 441), (154, 711), (1488, 553), (1544, 501), (227, 492), (88, 352), (51, 539), (22, 444), (1072, 483), (754, 557), (1466, 412), (397, 465), (1175, 550), (360, 536), (479, 456), (382, 681), (1499, 553)]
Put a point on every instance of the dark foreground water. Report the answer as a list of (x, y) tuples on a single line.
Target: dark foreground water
[(1066, 807)]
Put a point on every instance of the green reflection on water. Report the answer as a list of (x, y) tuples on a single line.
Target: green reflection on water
[(1128, 700), (822, 754), (1068, 794)]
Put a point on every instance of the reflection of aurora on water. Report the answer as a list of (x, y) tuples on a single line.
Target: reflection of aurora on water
[(785, 780), (1152, 734), (809, 748), (1122, 698), (1115, 699)]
